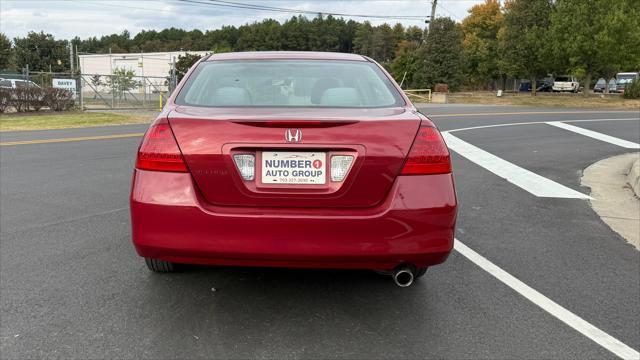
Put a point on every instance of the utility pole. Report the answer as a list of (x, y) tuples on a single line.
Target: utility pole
[(71, 56), (433, 13), (77, 58), (174, 77)]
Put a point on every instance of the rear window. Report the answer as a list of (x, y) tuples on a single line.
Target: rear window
[(289, 83), (563, 79), (626, 79)]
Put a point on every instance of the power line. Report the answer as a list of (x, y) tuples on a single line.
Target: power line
[(248, 6), (100, 3), (233, 4), (316, 12), (449, 12)]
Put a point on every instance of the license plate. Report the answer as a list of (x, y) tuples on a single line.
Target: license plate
[(285, 167)]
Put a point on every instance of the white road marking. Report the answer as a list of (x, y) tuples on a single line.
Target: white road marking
[(531, 113), (596, 135), (582, 326), (539, 122), (527, 180)]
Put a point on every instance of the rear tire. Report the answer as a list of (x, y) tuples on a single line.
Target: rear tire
[(160, 266)]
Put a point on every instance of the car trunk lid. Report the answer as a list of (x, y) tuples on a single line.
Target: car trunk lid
[(377, 139)]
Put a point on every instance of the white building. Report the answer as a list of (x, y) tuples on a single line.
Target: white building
[(154, 66), (144, 64)]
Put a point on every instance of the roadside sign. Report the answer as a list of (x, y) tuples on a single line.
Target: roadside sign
[(67, 84)]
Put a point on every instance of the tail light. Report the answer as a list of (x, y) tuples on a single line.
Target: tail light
[(428, 154), (159, 150)]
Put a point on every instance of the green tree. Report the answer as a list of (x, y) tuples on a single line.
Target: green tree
[(363, 42), (440, 57), (377, 42), (384, 44), (324, 34), (480, 45), (96, 80), (42, 52), (294, 34), (5, 52), (347, 35), (604, 37), (414, 33), (184, 63), (121, 82), (405, 65), (523, 39), (259, 36), (399, 32), (117, 43), (225, 38)]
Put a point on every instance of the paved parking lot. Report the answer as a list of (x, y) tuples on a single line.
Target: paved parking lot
[(537, 274)]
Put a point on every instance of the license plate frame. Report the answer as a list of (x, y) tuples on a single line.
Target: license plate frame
[(293, 168)]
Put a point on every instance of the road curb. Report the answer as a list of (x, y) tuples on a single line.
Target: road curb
[(633, 178), (613, 200)]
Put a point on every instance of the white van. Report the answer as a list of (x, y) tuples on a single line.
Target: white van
[(566, 83), (624, 78), (16, 83)]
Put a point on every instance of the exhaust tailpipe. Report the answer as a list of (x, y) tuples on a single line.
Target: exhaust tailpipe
[(403, 276)]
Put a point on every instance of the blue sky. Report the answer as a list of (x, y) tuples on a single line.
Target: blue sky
[(67, 18)]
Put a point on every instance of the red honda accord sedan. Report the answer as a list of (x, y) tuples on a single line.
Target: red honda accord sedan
[(293, 159)]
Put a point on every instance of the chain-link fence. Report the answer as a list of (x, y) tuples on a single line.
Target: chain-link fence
[(124, 91), (66, 81), (99, 91)]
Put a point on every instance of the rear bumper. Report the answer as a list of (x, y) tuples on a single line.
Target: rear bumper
[(414, 224), (563, 88)]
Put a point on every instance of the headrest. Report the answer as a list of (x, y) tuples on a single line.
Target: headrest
[(231, 96), (320, 86), (340, 96)]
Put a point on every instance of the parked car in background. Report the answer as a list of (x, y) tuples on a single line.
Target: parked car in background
[(624, 78), (612, 85), (525, 86), (16, 83), (566, 83), (601, 84), (543, 85)]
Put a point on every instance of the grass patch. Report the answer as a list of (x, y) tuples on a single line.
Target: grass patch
[(47, 121), (549, 100)]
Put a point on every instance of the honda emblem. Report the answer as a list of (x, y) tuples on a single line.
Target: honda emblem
[(293, 135)]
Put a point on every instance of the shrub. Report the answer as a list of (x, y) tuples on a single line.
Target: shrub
[(442, 88), (632, 90), (27, 98), (35, 96), (20, 99), (58, 99), (5, 99)]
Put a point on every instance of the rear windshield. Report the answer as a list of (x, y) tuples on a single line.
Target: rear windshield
[(563, 79), (625, 79), (289, 83)]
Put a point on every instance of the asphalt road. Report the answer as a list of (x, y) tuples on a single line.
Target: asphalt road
[(71, 285)]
